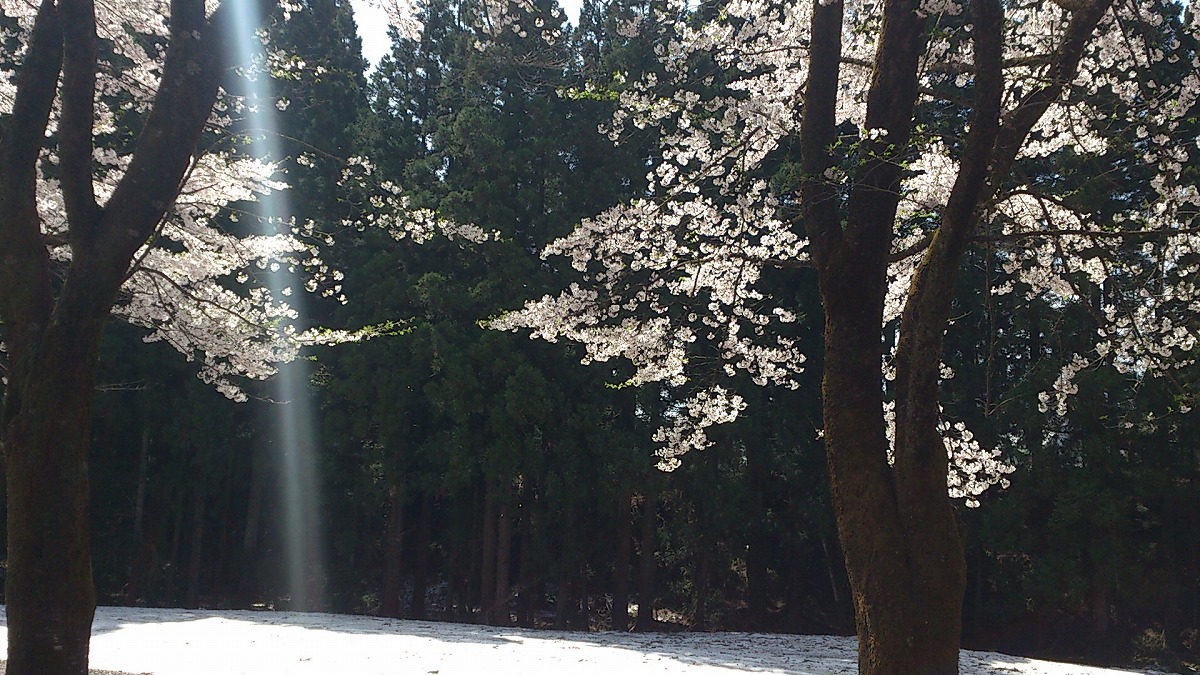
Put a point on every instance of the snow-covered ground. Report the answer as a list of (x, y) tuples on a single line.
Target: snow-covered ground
[(182, 642)]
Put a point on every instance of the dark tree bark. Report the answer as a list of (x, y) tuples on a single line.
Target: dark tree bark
[(700, 602), (53, 337), (530, 583), (621, 560), (647, 564), (565, 604), (487, 557), (138, 568), (139, 505), (501, 593), (421, 561), (393, 550), (897, 527), (221, 564), (756, 540), (248, 556), (196, 547)]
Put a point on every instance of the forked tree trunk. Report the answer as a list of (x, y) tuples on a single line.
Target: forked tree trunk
[(53, 330), (908, 621), (897, 527)]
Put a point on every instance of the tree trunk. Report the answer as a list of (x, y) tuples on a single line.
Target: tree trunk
[(248, 580), (834, 587), (897, 527), (139, 504), (53, 338), (254, 505), (421, 564), (530, 583), (178, 507), (500, 615), (196, 552), (624, 551), (700, 602), (47, 422), (392, 568), (221, 566), (564, 600), (756, 539), (138, 569), (487, 557), (907, 614), (647, 565)]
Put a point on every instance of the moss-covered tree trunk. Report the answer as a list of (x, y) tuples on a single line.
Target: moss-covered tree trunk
[(907, 613), (897, 527)]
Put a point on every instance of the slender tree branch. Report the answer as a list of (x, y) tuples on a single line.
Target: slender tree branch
[(78, 114), (1129, 235), (871, 210), (1033, 106), (818, 129), (912, 249)]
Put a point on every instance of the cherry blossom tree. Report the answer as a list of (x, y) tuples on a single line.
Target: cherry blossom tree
[(912, 130), (112, 178)]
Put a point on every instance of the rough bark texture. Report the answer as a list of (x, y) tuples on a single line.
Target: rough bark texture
[(897, 526), (906, 614), (48, 588), (53, 337)]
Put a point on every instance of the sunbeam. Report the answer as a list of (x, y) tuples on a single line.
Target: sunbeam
[(296, 435)]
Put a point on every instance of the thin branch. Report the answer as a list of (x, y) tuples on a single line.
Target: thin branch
[(157, 274), (1133, 235), (912, 249), (78, 115), (818, 128), (1063, 67)]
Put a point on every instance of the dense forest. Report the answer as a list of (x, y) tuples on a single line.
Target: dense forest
[(467, 473)]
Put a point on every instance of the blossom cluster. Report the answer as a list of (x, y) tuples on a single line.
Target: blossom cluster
[(199, 284), (673, 280)]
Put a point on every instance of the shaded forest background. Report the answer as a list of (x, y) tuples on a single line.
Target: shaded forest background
[(473, 475)]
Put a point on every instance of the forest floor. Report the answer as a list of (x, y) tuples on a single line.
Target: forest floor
[(200, 642)]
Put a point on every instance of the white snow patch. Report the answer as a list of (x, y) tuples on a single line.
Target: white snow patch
[(183, 642)]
